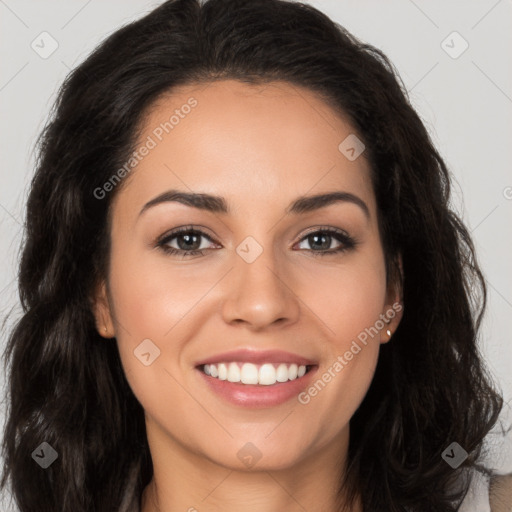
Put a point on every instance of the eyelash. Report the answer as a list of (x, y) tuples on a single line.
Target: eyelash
[(347, 242)]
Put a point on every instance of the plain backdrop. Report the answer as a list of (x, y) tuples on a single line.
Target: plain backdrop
[(464, 96)]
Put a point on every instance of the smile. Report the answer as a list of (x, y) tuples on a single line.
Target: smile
[(256, 378), (266, 374)]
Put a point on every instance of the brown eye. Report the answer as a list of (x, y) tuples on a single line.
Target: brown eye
[(187, 241)]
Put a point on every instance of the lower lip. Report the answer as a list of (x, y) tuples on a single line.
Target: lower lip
[(258, 396)]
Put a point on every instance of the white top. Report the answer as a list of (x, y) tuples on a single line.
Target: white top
[(498, 459)]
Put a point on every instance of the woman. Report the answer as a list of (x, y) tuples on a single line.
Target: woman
[(243, 287)]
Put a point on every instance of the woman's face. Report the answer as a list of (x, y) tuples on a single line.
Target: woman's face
[(269, 282)]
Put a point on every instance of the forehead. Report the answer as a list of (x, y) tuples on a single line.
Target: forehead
[(251, 142)]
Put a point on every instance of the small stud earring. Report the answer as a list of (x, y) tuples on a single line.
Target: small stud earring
[(388, 332)]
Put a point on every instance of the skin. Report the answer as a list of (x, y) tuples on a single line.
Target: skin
[(500, 493), (260, 147)]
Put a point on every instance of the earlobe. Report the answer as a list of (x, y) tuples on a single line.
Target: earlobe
[(394, 304), (392, 317), (102, 312)]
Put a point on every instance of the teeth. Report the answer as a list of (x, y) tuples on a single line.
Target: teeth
[(233, 372), (223, 372), (282, 373), (247, 373), (267, 375)]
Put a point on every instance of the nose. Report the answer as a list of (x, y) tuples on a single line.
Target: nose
[(260, 294)]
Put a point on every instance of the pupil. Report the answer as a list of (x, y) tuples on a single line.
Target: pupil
[(189, 240), (324, 237)]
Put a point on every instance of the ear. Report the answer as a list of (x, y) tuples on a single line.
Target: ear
[(394, 308), (102, 311)]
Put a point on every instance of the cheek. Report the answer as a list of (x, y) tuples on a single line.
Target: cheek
[(349, 303), (347, 299), (149, 303), (151, 296)]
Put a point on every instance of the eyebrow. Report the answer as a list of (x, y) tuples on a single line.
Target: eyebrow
[(217, 204)]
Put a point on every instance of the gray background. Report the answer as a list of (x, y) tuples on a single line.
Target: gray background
[(465, 102)]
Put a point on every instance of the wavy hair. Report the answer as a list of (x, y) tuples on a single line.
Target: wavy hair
[(66, 384)]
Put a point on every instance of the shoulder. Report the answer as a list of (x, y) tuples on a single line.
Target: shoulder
[(491, 487)]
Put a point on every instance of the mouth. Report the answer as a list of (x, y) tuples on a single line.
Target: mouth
[(267, 374), (256, 379)]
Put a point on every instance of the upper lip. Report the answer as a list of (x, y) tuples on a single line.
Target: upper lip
[(256, 357)]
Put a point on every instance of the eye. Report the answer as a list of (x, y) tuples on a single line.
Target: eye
[(321, 241), (185, 241)]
